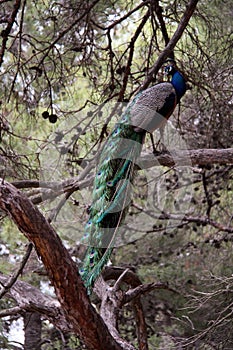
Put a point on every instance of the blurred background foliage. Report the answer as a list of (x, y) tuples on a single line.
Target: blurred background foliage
[(63, 66)]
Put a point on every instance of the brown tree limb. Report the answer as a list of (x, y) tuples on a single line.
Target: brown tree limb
[(130, 278), (61, 269), (6, 32), (30, 298), (172, 43), (188, 157), (180, 157), (140, 324)]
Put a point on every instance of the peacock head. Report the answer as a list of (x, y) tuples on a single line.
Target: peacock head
[(170, 70), (177, 80)]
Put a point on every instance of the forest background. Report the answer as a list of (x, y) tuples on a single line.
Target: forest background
[(64, 65)]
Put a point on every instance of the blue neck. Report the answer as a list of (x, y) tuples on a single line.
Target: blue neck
[(179, 84)]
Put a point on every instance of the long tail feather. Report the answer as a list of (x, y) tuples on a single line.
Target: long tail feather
[(111, 194), (111, 197)]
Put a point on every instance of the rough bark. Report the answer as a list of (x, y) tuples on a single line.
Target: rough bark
[(189, 157), (31, 299), (61, 269), (32, 327)]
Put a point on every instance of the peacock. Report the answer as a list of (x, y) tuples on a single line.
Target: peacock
[(116, 168)]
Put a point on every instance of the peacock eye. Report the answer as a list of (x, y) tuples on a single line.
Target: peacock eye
[(168, 70)]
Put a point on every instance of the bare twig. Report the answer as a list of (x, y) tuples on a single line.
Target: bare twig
[(145, 288), (6, 287), (130, 57), (6, 32), (119, 281), (172, 43)]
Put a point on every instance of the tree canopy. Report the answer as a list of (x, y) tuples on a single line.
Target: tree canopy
[(64, 66)]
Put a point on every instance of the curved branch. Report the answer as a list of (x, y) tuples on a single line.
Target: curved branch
[(172, 43), (6, 32), (61, 269), (30, 298), (7, 286), (145, 288)]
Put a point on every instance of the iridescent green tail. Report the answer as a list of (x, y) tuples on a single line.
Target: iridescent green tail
[(111, 194), (111, 198)]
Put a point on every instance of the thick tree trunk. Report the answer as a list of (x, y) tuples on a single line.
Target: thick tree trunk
[(62, 270)]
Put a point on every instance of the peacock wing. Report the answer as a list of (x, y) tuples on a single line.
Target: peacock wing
[(153, 107)]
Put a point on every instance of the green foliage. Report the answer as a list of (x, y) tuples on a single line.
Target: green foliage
[(66, 63)]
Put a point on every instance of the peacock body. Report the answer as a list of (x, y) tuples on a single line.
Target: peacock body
[(115, 171)]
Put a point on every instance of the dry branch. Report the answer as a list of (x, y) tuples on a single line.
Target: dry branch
[(61, 269), (30, 298), (181, 157), (6, 32), (7, 286), (168, 50), (189, 157)]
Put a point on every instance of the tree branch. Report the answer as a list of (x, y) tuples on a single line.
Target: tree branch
[(202, 220), (6, 287), (144, 288), (29, 298), (131, 279), (11, 312), (159, 14), (188, 157), (6, 32), (181, 157), (130, 57), (61, 269), (172, 43), (109, 309)]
